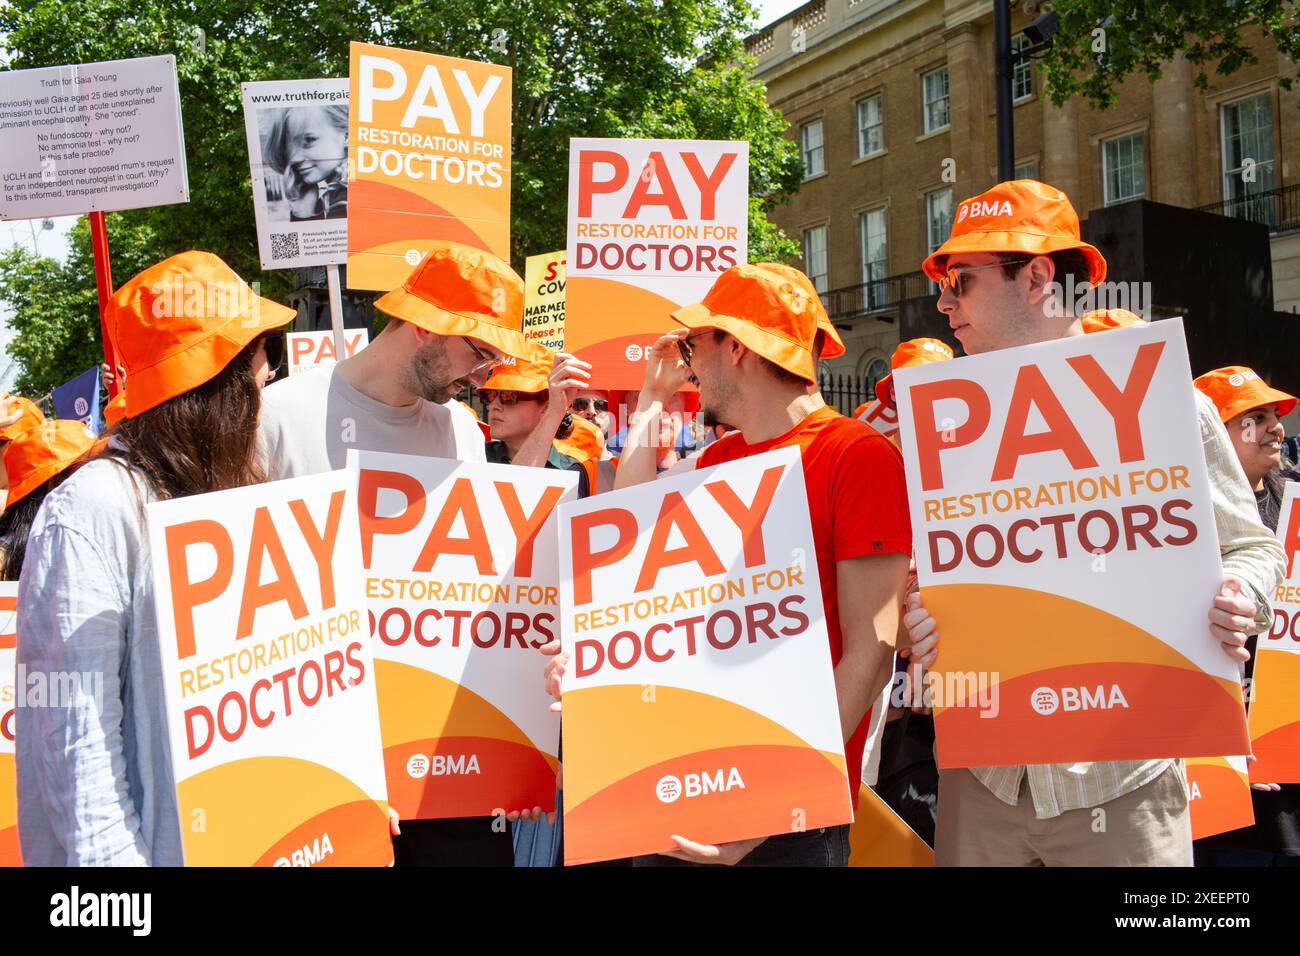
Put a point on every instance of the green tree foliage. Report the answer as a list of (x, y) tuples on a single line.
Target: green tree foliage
[(616, 68), (1101, 42)]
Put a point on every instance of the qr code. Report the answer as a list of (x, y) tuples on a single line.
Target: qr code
[(284, 245)]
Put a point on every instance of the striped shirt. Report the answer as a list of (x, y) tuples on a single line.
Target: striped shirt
[(1248, 550)]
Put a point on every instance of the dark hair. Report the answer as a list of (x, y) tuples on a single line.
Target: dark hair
[(1069, 263), (782, 375), (202, 440), (16, 524), (566, 426)]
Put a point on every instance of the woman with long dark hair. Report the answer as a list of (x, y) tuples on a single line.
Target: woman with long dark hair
[(95, 784)]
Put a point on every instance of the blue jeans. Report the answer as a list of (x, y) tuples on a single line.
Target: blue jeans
[(828, 846)]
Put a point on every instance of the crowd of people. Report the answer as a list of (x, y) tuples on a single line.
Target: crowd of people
[(197, 412)]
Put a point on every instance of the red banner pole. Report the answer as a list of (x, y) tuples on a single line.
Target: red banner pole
[(104, 284)]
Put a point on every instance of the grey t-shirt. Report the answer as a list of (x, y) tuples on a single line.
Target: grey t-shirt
[(310, 421)]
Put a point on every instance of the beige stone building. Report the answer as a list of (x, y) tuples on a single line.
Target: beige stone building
[(893, 104)]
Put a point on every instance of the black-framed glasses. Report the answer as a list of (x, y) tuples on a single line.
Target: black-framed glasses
[(489, 395), (272, 343), (582, 404), (953, 277), (685, 349)]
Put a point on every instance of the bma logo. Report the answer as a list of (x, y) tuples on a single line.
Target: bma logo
[(413, 257), (417, 766), (1046, 701), (669, 788), (633, 353), (983, 207), (81, 406), (1238, 379)]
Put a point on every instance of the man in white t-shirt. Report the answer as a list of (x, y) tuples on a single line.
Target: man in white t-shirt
[(455, 318)]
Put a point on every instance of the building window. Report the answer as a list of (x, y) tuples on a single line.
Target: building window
[(1022, 74), (934, 96), (877, 369), (1248, 158), (1026, 170), (871, 127), (875, 257), (814, 257), (814, 154), (938, 221), (1123, 168)]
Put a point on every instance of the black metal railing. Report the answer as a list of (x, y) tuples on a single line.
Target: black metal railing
[(846, 392), (876, 297), (1279, 209)]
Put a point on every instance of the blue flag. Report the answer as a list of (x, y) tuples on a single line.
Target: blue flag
[(79, 399)]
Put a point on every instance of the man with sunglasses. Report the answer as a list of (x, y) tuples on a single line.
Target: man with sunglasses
[(593, 405), (454, 319), (1011, 251), (750, 347)]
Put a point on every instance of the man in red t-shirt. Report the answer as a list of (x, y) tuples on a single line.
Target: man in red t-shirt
[(749, 345)]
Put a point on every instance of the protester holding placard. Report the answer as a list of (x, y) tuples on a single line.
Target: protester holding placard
[(996, 273), (750, 346), (1252, 412), (35, 462), (95, 785), (518, 399), (456, 317)]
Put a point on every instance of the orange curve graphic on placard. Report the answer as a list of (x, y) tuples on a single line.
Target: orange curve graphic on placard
[(1169, 707), (1277, 755), (1220, 797), (248, 808), (10, 854), (8, 605), (611, 732), (604, 317), (1276, 697), (421, 712), (784, 788), (880, 837)]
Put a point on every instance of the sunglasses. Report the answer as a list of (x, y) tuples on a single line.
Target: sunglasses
[(273, 344), (952, 278), (582, 404), (489, 395), (685, 349)]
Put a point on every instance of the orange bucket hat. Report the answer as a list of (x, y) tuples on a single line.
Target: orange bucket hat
[(909, 353), (115, 408), (459, 290), (1099, 320), (770, 308), (178, 323), (36, 456), (1236, 389), (522, 375), (584, 443), (29, 416), (833, 345), (1023, 215)]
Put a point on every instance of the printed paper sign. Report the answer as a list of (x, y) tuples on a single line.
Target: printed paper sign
[(309, 349), (691, 607), (269, 677), (298, 157), (1275, 689), (544, 299), (91, 137), (1066, 546), (9, 852), (880, 417), (1218, 795), (462, 585), (652, 222), (430, 143)]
